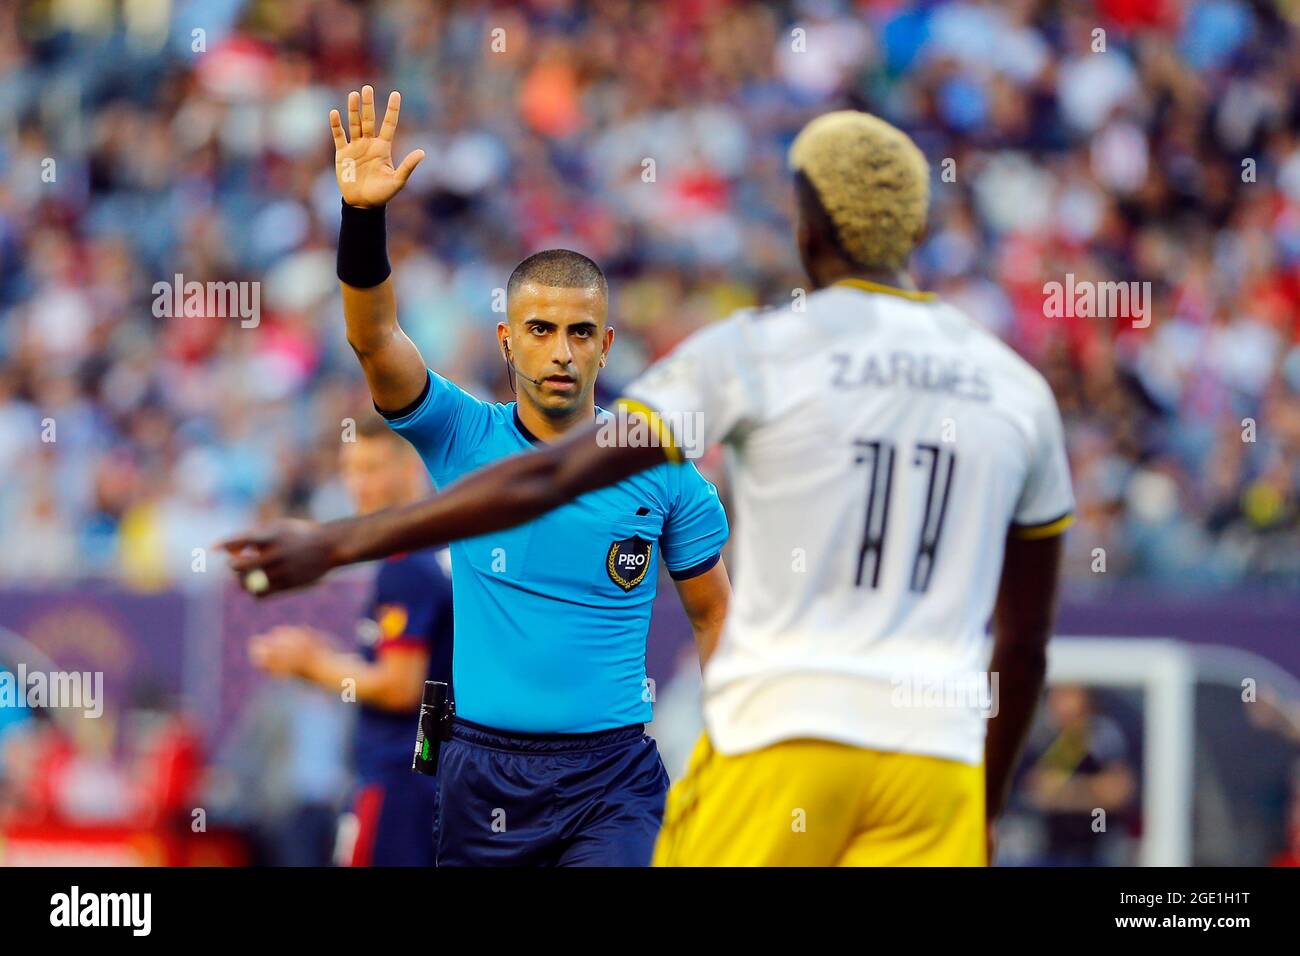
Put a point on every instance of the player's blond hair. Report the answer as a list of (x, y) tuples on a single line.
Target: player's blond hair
[(872, 181)]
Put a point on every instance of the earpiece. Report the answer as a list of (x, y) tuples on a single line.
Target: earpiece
[(510, 364)]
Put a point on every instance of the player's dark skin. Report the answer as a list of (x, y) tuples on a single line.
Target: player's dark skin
[(521, 488)]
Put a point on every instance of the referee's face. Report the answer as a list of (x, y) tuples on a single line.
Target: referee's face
[(558, 338)]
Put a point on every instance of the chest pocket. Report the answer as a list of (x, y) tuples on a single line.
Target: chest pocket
[(595, 549)]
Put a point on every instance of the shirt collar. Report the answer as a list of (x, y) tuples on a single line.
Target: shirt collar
[(867, 286), (523, 429)]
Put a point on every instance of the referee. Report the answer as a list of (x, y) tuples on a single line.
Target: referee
[(549, 762)]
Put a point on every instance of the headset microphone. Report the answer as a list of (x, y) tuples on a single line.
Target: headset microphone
[(511, 365)]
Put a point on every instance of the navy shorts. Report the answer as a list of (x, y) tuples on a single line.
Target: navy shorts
[(512, 799), (396, 821)]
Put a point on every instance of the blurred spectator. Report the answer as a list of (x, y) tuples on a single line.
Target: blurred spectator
[(1080, 778)]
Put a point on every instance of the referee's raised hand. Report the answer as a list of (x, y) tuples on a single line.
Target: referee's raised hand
[(363, 158)]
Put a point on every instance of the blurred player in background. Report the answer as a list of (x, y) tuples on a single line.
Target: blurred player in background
[(550, 763), (404, 639), (900, 475), (1082, 765)]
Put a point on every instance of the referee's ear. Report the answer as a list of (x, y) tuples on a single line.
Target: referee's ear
[(609, 343)]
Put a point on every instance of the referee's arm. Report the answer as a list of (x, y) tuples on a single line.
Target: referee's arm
[(367, 180), (705, 598)]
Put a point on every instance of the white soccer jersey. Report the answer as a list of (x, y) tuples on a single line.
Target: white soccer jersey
[(880, 445)]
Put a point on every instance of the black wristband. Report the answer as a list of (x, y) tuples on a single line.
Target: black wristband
[(363, 247)]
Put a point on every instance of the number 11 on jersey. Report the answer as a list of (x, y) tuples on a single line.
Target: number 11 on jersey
[(878, 456)]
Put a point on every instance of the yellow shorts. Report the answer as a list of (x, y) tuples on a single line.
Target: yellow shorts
[(818, 803)]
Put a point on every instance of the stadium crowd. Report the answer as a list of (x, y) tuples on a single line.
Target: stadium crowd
[(164, 142)]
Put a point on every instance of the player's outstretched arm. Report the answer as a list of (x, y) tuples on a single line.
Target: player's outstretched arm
[(367, 178), (1022, 624), (294, 553)]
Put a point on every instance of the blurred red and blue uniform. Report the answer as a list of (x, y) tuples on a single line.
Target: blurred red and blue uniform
[(395, 808)]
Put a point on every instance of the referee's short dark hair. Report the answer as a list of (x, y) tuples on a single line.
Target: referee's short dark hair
[(559, 268)]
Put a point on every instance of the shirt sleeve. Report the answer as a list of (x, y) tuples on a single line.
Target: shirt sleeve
[(444, 424), (696, 527), (1046, 505), (701, 393)]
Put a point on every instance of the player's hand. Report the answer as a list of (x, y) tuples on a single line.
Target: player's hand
[(1046, 788), (363, 159), (287, 651), (289, 553)]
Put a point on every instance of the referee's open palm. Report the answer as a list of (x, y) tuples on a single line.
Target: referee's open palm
[(363, 159)]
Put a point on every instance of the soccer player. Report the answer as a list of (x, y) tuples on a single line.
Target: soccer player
[(550, 763), (899, 476), (404, 639)]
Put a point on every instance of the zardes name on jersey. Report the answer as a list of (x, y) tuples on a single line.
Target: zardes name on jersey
[(881, 446)]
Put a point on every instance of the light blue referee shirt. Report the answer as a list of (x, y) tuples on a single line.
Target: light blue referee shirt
[(551, 617)]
